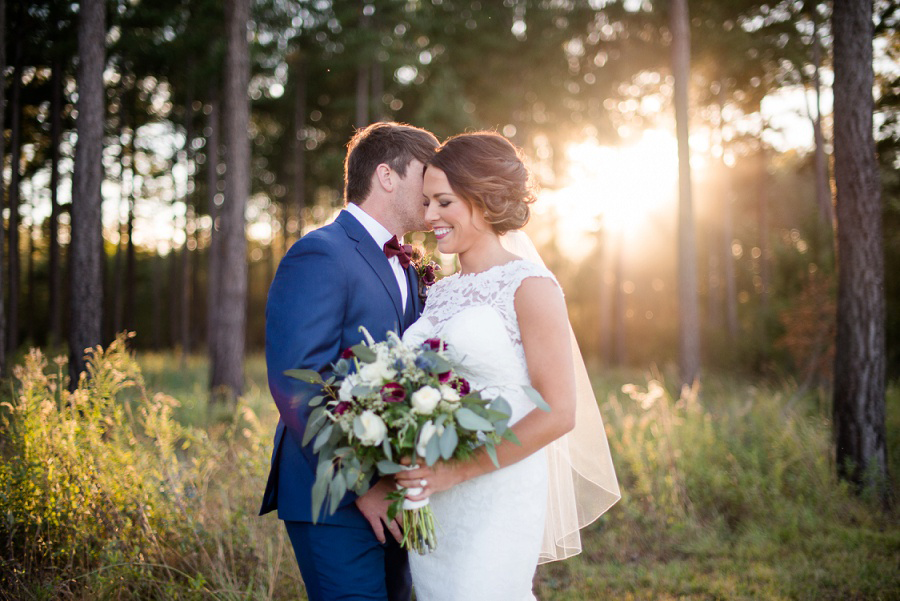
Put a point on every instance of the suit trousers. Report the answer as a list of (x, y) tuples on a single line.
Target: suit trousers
[(339, 563)]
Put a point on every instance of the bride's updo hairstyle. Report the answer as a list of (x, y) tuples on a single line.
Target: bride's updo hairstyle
[(487, 172)]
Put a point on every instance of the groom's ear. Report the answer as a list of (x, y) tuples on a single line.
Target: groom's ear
[(384, 177)]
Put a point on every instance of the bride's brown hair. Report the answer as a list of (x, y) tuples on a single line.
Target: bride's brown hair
[(488, 172)]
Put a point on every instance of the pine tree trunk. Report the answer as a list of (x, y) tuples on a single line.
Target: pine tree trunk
[(762, 215), (30, 294), (56, 108), (130, 251), (607, 282), (185, 314), (87, 241), (227, 377), (2, 188), (15, 159), (620, 310), (860, 363), (378, 91), (729, 284), (689, 338), (214, 275), (823, 191), (299, 144)]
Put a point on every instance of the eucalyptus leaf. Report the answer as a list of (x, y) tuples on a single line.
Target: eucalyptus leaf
[(469, 420), (438, 364), (364, 353), (449, 440), (310, 376), (362, 390), (316, 400), (389, 467), (315, 422), (336, 491), (511, 436), (492, 452), (319, 492), (432, 451), (358, 427), (386, 447), (536, 398), (322, 438), (501, 405)]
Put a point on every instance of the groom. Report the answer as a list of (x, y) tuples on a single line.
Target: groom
[(348, 274)]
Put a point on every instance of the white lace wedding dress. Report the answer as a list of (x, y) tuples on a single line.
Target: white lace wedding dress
[(489, 529)]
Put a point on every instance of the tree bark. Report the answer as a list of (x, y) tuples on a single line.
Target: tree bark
[(213, 269), (620, 310), (130, 251), (86, 248), (299, 144), (2, 187), (56, 108), (607, 282), (860, 362), (228, 370), (762, 215), (15, 159), (823, 190), (689, 337), (185, 314)]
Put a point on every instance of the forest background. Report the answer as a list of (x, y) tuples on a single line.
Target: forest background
[(196, 206)]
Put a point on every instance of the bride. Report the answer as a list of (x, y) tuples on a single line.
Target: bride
[(505, 324)]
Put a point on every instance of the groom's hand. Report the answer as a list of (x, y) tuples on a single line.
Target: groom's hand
[(374, 506)]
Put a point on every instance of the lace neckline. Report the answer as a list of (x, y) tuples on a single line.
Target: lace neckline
[(488, 270)]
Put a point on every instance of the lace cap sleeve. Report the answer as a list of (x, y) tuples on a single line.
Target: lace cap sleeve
[(512, 277)]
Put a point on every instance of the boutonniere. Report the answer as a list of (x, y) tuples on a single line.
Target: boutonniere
[(426, 270)]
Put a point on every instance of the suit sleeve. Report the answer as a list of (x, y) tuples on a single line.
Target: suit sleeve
[(304, 316)]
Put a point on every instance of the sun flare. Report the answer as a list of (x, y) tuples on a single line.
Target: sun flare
[(613, 188)]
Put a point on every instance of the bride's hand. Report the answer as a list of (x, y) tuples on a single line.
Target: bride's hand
[(439, 477)]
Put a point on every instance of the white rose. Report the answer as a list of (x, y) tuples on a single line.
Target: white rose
[(425, 400), (370, 429), (345, 391), (376, 373), (428, 430), (448, 393)]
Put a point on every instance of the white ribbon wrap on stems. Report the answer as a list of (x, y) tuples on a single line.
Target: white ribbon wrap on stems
[(582, 481), (407, 504)]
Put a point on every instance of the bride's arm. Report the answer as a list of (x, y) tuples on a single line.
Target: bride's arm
[(544, 325)]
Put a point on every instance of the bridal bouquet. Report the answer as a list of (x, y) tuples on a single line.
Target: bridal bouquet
[(388, 400)]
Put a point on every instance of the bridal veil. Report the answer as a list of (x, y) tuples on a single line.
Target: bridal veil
[(582, 480)]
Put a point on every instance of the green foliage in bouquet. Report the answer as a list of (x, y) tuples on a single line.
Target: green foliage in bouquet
[(388, 401)]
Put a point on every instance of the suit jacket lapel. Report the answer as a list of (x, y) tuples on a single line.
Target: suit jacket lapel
[(374, 256), (413, 279)]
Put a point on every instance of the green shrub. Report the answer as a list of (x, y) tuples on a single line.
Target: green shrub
[(104, 495)]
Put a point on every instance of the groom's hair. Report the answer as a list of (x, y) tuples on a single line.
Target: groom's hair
[(395, 144)]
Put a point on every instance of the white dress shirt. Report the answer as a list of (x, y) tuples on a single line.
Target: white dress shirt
[(380, 234)]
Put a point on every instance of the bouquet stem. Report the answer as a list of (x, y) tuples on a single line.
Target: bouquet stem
[(419, 530)]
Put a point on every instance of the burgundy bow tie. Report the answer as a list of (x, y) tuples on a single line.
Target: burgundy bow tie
[(392, 248)]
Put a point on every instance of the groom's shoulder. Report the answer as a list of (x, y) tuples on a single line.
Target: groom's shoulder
[(328, 239)]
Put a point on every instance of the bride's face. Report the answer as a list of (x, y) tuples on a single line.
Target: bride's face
[(456, 226)]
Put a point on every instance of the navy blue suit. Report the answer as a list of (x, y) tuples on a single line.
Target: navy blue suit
[(331, 282)]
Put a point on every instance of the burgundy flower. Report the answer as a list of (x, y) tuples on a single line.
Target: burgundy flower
[(392, 392), (445, 377), (428, 275), (340, 408), (434, 344), (347, 354), (461, 385)]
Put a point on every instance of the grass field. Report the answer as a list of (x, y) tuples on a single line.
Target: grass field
[(135, 489)]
